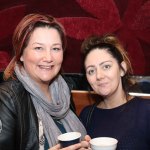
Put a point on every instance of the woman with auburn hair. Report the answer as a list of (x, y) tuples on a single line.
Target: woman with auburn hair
[(116, 114), (35, 99)]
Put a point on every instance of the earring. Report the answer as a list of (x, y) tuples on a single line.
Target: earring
[(122, 74)]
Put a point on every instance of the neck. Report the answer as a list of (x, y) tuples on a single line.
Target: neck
[(113, 101)]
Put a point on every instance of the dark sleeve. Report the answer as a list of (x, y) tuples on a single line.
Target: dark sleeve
[(7, 122)]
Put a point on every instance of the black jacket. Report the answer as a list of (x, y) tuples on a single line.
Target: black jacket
[(19, 122), (18, 118)]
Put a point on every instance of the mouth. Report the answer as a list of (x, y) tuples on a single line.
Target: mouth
[(46, 67), (102, 84)]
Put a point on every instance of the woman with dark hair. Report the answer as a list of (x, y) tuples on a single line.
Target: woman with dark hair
[(116, 114), (35, 99)]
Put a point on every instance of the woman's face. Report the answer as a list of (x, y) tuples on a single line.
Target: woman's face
[(43, 56), (103, 72)]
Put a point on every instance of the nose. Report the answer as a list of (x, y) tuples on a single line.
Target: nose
[(99, 74), (47, 56)]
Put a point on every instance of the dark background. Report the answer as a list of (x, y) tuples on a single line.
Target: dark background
[(128, 19)]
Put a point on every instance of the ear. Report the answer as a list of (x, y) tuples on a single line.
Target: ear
[(21, 58), (123, 71)]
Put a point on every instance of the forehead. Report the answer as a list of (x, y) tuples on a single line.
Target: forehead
[(99, 55), (45, 34)]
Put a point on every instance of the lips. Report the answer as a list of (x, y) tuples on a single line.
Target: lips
[(102, 84), (46, 67)]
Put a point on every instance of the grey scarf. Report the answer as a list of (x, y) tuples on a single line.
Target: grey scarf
[(58, 107)]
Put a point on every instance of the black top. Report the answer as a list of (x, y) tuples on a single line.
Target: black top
[(128, 123)]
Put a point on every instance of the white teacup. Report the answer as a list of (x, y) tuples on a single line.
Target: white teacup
[(103, 143)]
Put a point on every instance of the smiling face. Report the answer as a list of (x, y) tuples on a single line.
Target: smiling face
[(43, 56), (103, 72)]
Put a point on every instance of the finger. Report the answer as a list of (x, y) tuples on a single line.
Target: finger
[(56, 147), (85, 148), (72, 147), (87, 138), (85, 144)]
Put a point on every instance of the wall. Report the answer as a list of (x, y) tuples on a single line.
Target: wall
[(129, 19)]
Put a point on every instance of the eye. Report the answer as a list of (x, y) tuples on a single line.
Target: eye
[(56, 48), (106, 67), (38, 48), (91, 71)]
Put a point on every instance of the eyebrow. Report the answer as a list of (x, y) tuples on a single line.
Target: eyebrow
[(37, 43), (43, 44), (55, 44), (105, 62), (99, 64)]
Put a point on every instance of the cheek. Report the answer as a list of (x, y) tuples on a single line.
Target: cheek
[(59, 58), (30, 61), (115, 79), (29, 56), (90, 80)]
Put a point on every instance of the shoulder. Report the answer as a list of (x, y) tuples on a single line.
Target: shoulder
[(142, 104), (144, 109), (86, 114), (11, 87), (142, 101), (86, 111), (11, 92)]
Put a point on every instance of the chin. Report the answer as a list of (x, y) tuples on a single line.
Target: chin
[(46, 79), (45, 83), (104, 94)]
